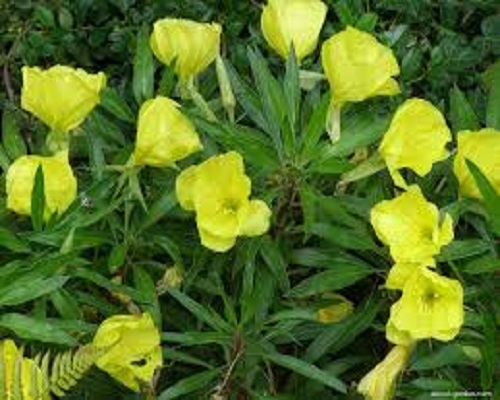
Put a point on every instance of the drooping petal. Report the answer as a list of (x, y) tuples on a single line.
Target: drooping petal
[(417, 124), (358, 66), (284, 22), (216, 243), (192, 45), (254, 218), (61, 96), (164, 134)]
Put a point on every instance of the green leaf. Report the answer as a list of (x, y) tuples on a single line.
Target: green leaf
[(462, 114), (190, 384), (314, 129), (343, 237), (338, 277), (493, 107), (460, 249), (11, 241), (291, 86), (38, 200), (275, 260), (29, 328), (210, 317), (26, 288), (306, 369), (112, 102), (13, 142), (490, 196), (147, 290), (45, 16), (451, 354), (66, 305), (143, 79)]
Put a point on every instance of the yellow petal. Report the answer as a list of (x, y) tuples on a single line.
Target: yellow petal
[(216, 243), (380, 382), (192, 45), (164, 134), (399, 275), (254, 218), (409, 225), (431, 307), (133, 350), (482, 148), (185, 187), (358, 67), (59, 183), (60, 96), (417, 124), (284, 22), (220, 221)]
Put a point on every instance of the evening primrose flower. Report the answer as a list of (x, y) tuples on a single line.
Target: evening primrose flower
[(400, 273), (482, 148), (164, 134), (380, 382), (411, 227), (60, 184), (132, 349), (417, 124), (60, 96), (31, 385), (297, 22), (218, 191), (431, 306), (192, 46), (358, 67)]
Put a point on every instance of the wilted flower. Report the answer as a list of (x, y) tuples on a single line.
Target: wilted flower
[(31, 384), (60, 96), (431, 306), (380, 382), (164, 134), (358, 67), (218, 190), (284, 22), (482, 148), (191, 46), (60, 184), (340, 308), (172, 279), (417, 124), (411, 227), (132, 349)]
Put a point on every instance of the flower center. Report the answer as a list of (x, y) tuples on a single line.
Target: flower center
[(230, 206)]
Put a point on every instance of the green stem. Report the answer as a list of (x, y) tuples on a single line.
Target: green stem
[(199, 101)]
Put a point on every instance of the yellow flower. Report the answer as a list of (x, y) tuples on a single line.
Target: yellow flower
[(59, 183), (31, 384), (284, 22), (133, 349), (431, 306), (411, 227), (60, 96), (482, 148), (380, 382), (164, 134), (400, 273), (192, 45), (417, 124), (358, 67), (218, 190)]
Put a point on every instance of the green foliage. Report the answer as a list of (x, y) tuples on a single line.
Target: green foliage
[(244, 323)]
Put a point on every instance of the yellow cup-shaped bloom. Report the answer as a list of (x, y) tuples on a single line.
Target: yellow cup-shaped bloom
[(164, 134), (431, 307), (417, 124), (358, 67), (400, 273), (411, 227), (218, 190), (191, 45), (60, 96), (380, 382), (59, 183), (482, 148), (133, 350), (31, 385), (284, 22)]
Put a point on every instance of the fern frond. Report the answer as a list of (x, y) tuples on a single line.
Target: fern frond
[(69, 367)]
